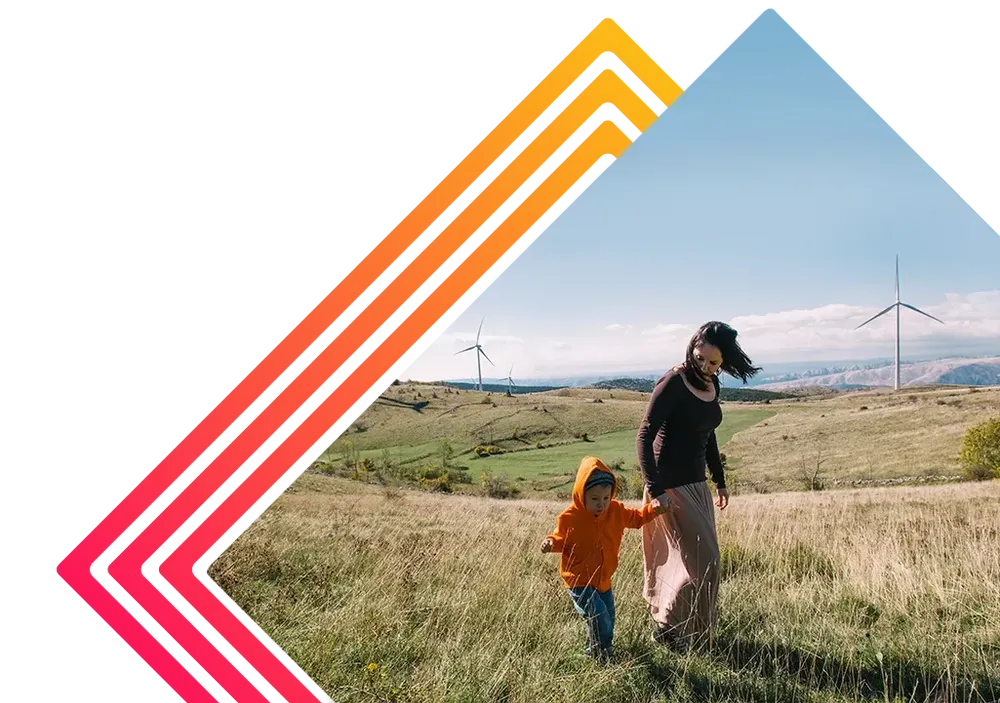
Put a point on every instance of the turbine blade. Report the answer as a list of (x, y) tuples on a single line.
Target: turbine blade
[(465, 350), (875, 317), (487, 358), (897, 277), (907, 305), (480, 329)]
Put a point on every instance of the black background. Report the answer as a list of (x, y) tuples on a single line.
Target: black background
[(193, 136)]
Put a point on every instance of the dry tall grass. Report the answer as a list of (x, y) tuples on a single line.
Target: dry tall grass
[(864, 435), (881, 595)]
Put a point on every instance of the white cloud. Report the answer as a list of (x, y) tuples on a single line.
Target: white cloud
[(968, 318), (828, 314), (460, 339), (672, 330), (618, 328)]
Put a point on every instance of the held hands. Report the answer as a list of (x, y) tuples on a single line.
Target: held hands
[(659, 507), (546, 545)]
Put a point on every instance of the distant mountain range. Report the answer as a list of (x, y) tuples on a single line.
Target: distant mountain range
[(958, 372), (747, 395)]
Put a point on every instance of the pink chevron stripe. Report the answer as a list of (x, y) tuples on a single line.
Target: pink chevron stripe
[(75, 570)]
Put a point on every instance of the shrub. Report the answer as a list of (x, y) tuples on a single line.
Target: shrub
[(440, 484), (630, 485), (812, 476), (459, 476), (498, 486), (431, 471), (324, 467), (349, 454), (980, 454), (386, 464), (445, 453), (485, 450)]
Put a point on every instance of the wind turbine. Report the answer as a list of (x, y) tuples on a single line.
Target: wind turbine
[(510, 381), (898, 305), (479, 350)]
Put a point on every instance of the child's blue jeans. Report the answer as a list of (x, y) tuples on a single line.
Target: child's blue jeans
[(598, 609)]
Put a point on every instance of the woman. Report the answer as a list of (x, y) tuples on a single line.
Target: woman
[(676, 442)]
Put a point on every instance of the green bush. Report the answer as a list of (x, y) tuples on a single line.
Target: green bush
[(325, 467), (459, 476), (629, 485), (431, 471), (440, 484), (498, 486), (485, 450), (980, 453)]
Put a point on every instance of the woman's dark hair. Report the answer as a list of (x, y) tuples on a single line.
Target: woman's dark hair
[(735, 362)]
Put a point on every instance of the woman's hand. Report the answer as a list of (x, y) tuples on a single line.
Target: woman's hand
[(660, 506), (723, 500), (546, 545)]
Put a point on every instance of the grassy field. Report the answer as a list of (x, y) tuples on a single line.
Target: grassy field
[(849, 595), (414, 414), (562, 461), (862, 436), (856, 438)]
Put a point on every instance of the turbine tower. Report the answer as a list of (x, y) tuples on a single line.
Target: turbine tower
[(898, 305), (510, 381), (479, 350)]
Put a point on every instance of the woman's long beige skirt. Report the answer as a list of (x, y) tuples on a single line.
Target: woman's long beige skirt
[(680, 551)]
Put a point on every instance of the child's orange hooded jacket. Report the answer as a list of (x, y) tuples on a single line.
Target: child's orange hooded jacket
[(589, 544)]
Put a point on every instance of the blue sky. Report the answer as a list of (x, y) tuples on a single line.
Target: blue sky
[(768, 195)]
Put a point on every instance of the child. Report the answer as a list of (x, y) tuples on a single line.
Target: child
[(589, 534)]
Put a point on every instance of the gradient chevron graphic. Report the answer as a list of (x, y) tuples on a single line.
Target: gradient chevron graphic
[(137, 569)]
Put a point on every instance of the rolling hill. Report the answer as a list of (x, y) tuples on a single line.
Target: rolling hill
[(872, 437), (740, 395), (957, 372)]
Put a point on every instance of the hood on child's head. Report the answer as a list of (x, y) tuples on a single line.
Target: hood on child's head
[(588, 465)]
